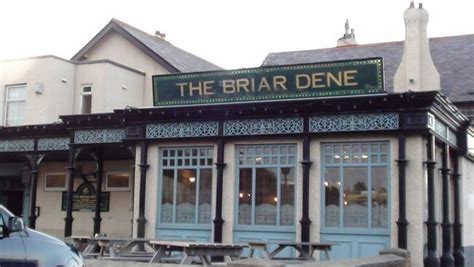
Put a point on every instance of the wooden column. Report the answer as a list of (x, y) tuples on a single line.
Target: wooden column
[(447, 259), (99, 174), (431, 259), (70, 186), (306, 165), (402, 215), (457, 225), (141, 220)]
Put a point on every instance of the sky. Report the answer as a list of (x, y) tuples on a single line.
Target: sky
[(230, 33)]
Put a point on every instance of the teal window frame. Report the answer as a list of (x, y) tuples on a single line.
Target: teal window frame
[(209, 162), (243, 161), (324, 165)]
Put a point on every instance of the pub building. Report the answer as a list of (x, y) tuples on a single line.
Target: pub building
[(320, 151)]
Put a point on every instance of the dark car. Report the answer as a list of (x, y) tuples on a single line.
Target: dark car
[(22, 246)]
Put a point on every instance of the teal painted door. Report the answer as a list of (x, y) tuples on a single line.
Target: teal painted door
[(185, 194), (356, 194), (265, 195)]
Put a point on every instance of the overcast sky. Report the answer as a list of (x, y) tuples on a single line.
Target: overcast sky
[(230, 33)]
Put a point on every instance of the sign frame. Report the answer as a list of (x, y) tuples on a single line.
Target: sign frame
[(164, 85), (105, 198)]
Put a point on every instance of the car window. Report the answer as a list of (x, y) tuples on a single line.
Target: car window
[(4, 216)]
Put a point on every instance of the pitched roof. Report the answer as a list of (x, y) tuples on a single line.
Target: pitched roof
[(452, 55), (169, 56)]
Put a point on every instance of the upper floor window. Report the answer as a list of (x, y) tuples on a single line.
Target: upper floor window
[(86, 100), (15, 105)]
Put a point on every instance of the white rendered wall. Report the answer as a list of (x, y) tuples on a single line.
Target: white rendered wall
[(116, 222), (467, 200), (107, 81), (56, 76), (118, 49), (415, 197)]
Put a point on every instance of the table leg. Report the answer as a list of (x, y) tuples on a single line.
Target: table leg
[(303, 253), (275, 252), (160, 252), (326, 251), (89, 249), (128, 247), (186, 260), (204, 260), (252, 250)]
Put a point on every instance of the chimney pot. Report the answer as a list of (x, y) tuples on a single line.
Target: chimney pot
[(160, 34), (412, 4)]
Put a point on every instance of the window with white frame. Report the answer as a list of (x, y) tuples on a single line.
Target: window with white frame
[(55, 182), (186, 185), (15, 105), (355, 185), (117, 181), (266, 183), (86, 99)]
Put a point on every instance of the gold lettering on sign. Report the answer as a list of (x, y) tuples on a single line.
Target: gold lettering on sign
[(279, 81), (326, 79), (181, 88), (264, 85), (228, 86), (243, 84), (305, 78), (318, 80), (337, 80), (208, 87), (349, 76), (197, 88)]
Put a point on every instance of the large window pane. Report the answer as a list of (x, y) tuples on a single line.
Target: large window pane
[(186, 196), (356, 197), (245, 196), (266, 184), (332, 186), (379, 197), (167, 196), (205, 196), (266, 197), (287, 196)]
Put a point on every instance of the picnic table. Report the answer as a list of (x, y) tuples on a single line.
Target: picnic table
[(190, 250), (113, 248), (305, 249)]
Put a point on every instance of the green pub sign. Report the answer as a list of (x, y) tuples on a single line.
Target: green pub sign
[(352, 77)]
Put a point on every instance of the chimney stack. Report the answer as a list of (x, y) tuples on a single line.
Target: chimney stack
[(347, 38), (160, 34), (417, 71)]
